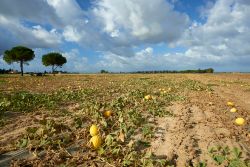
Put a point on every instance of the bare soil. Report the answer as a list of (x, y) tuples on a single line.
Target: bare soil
[(205, 121), (199, 123)]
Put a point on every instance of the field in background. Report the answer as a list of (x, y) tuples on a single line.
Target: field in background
[(184, 122)]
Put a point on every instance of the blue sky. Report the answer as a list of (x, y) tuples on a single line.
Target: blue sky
[(131, 35)]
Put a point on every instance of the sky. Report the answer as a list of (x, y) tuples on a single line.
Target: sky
[(129, 35)]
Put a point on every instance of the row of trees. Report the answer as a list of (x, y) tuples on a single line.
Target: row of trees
[(23, 55), (3, 71), (208, 70)]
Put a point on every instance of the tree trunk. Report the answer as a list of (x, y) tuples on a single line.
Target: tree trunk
[(53, 70), (21, 66)]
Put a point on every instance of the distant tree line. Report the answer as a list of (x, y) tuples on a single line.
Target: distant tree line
[(3, 71), (209, 70), (104, 71)]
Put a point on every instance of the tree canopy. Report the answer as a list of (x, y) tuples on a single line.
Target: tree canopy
[(53, 59), (19, 54)]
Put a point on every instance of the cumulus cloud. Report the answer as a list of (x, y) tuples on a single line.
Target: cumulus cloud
[(222, 42), (71, 34), (148, 21), (225, 35), (144, 59), (76, 62), (117, 26), (226, 25), (67, 10), (110, 27), (37, 11), (24, 23), (18, 34), (51, 38)]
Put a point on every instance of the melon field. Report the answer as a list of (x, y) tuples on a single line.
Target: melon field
[(115, 120)]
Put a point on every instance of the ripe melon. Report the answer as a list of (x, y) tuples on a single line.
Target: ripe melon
[(239, 121), (96, 141), (93, 130)]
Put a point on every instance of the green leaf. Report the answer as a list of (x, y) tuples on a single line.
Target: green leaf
[(101, 151), (202, 164), (116, 151), (144, 143), (109, 139), (236, 152), (237, 163), (44, 142), (219, 159), (211, 149), (62, 165), (104, 123), (162, 162), (23, 143), (126, 162)]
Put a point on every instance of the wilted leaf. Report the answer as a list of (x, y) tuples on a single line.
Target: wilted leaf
[(109, 140), (31, 130), (131, 143), (40, 131), (121, 136)]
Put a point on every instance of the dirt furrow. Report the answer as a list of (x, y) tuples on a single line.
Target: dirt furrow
[(189, 135)]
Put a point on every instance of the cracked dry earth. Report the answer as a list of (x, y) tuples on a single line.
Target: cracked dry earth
[(200, 124)]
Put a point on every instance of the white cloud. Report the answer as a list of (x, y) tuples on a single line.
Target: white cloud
[(34, 37), (51, 38), (144, 20), (117, 26), (222, 42), (145, 60), (68, 10), (224, 37), (71, 34), (226, 23), (114, 28), (37, 11), (76, 62), (26, 22)]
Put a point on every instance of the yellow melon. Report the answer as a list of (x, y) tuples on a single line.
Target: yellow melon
[(96, 141), (233, 110), (148, 97), (239, 121), (93, 130), (107, 113), (229, 103)]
